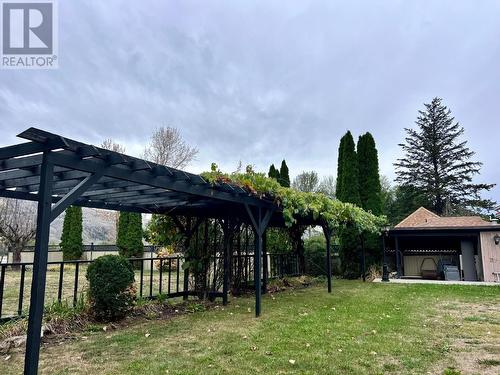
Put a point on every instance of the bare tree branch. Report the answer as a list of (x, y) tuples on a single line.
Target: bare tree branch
[(17, 224), (168, 148)]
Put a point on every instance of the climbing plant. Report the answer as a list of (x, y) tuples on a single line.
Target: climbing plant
[(296, 204)]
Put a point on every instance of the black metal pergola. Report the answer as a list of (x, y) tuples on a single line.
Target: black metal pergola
[(58, 172)]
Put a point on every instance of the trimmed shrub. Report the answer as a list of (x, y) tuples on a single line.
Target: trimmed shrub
[(111, 287)]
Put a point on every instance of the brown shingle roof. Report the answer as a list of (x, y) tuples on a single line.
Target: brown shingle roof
[(423, 218)]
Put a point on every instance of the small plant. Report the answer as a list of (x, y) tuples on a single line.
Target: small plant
[(451, 371), (111, 287), (164, 253), (195, 307)]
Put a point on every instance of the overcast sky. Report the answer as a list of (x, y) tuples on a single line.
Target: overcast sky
[(262, 81)]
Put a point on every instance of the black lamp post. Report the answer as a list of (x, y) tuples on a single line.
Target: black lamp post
[(385, 268)]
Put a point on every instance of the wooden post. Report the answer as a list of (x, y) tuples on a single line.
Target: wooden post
[(39, 267)]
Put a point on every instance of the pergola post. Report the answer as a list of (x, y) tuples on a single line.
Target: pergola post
[(259, 222), (385, 269), (264, 262), (226, 228), (39, 267), (187, 230), (327, 231), (363, 257)]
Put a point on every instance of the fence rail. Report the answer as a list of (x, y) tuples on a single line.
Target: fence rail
[(66, 281)]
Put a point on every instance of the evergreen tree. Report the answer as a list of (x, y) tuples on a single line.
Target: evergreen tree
[(71, 237), (121, 233), (368, 175), (348, 172), (437, 162), (129, 235), (273, 172), (348, 191), (135, 247), (284, 177), (340, 163), (370, 192)]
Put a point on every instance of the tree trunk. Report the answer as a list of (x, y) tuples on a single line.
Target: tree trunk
[(16, 254)]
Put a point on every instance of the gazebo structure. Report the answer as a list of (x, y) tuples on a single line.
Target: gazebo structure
[(58, 172)]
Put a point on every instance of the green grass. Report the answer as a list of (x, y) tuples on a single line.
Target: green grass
[(358, 329), (13, 277)]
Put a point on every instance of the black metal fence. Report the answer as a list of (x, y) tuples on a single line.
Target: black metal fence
[(92, 247), (66, 281)]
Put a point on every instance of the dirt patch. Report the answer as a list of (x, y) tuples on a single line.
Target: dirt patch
[(473, 335)]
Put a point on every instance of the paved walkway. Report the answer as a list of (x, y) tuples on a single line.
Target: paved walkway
[(439, 282)]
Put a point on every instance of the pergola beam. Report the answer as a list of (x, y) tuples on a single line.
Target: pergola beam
[(68, 160), (74, 194)]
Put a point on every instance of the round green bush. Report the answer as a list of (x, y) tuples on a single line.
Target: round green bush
[(111, 287)]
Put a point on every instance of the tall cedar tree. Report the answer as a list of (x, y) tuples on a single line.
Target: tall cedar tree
[(273, 172), (348, 191), (370, 191), (284, 177), (437, 162), (129, 236), (135, 247), (71, 237), (121, 232)]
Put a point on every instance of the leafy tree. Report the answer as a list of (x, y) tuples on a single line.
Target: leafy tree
[(327, 186), (306, 181), (278, 240), (284, 177), (348, 191), (161, 231), (71, 237), (438, 162)]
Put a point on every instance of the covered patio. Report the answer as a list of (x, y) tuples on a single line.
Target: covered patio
[(426, 246)]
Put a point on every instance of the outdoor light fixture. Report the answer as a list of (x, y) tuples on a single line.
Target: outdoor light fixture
[(496, 239)]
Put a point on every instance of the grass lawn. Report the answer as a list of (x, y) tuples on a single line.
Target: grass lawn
[(358, 329), (13, 278)]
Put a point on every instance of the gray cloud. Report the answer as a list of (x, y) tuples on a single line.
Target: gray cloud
[(263, 81)]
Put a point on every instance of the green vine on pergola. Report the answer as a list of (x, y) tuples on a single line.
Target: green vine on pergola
[(296, 204)]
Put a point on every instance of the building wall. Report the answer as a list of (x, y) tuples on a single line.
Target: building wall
[(412, 264), (490, 255)]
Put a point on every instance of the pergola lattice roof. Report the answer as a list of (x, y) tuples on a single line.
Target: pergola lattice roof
[(111, 180)]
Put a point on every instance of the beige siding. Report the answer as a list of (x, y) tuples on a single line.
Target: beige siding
[(412, 264), (490, 255)]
